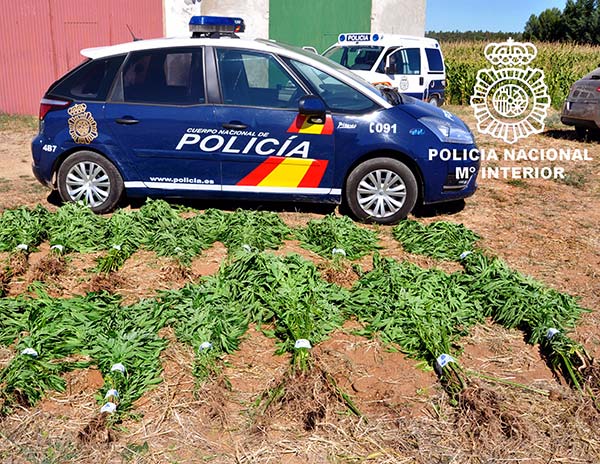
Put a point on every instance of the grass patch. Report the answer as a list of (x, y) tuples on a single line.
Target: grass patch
[(518, 183), (573, 179), (15, 122)]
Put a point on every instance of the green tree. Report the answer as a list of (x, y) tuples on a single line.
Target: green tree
[(579, 22), (551, 25), (532, 29)]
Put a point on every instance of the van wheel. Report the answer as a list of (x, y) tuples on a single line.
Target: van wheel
[(435, 101), (89, 177), (381, 190)]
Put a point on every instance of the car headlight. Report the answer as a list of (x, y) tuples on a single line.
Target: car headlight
[(447, 131)]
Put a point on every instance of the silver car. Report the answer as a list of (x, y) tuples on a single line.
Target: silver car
[(582, 107)]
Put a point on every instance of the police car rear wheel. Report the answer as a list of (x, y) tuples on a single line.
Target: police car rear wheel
[(89, 177), (382, 190)]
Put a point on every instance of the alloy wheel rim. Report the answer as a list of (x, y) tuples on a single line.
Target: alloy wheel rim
[(381, 193), (88, 182)]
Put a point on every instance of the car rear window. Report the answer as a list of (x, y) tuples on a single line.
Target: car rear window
[(434, 58), (91, 81), (166, 77)]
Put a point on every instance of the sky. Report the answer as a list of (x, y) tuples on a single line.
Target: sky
[(465, 15)]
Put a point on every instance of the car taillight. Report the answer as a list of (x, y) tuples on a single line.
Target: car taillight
[(598, 89), (49, 104)]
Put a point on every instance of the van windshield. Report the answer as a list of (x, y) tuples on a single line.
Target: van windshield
[(365, 85), (356, 58)]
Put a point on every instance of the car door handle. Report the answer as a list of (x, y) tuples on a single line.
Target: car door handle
[(126, 120), (235, 125)]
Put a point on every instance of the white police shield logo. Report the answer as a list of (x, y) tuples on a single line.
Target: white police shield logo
[(511, 101), (403, 85)]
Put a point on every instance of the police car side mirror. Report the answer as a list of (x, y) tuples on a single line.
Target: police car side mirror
[(312, 106)]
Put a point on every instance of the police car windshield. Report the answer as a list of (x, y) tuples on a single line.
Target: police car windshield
[(355, 57), (365, 85)]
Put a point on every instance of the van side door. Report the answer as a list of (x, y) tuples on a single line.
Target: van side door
[(405, 70), (436, 76)]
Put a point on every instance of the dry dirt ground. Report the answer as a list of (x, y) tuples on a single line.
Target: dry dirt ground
[(548, 229)]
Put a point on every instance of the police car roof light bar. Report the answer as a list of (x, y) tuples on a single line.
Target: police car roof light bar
[(216, 26)]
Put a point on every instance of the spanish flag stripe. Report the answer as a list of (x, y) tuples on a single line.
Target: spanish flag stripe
[(328, 129), (263, 170), (288, 174), (297, 124), (315, 173), (302, 125), (308, 128)]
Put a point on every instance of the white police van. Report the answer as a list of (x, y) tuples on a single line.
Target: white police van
[(413, 65)]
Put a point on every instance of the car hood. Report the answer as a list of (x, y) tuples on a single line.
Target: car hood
[(418, 109)]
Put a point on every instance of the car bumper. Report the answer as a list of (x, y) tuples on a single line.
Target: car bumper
[(38, 175), (584, 114)]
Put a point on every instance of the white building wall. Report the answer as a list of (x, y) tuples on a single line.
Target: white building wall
[(254, 12), (387, 16), (406, 17), (177, 16)]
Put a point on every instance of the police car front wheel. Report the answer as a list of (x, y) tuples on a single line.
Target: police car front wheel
[(89, 177), (382, 190)]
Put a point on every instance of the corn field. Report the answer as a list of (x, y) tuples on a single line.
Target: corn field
[(563, 64)]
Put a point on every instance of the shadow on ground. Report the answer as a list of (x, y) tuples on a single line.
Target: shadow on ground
[(570, 134)]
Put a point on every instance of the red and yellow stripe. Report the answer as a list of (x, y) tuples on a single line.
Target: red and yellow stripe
[(302, 125), (277, 171)]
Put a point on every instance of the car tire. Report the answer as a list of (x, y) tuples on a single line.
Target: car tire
[(89, 177), (434, 100), (581, 132), (381, 190)]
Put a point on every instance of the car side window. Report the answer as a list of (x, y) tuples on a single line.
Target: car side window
[(250, 78), (90, 81), (167, 77), (337, 95), (406, 61), (435, 61), (381, 65)]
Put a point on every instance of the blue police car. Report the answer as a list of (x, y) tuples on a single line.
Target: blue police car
[(215, 116)]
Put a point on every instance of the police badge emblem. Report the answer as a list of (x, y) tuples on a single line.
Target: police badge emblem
[(82, 125), (511, 101)]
